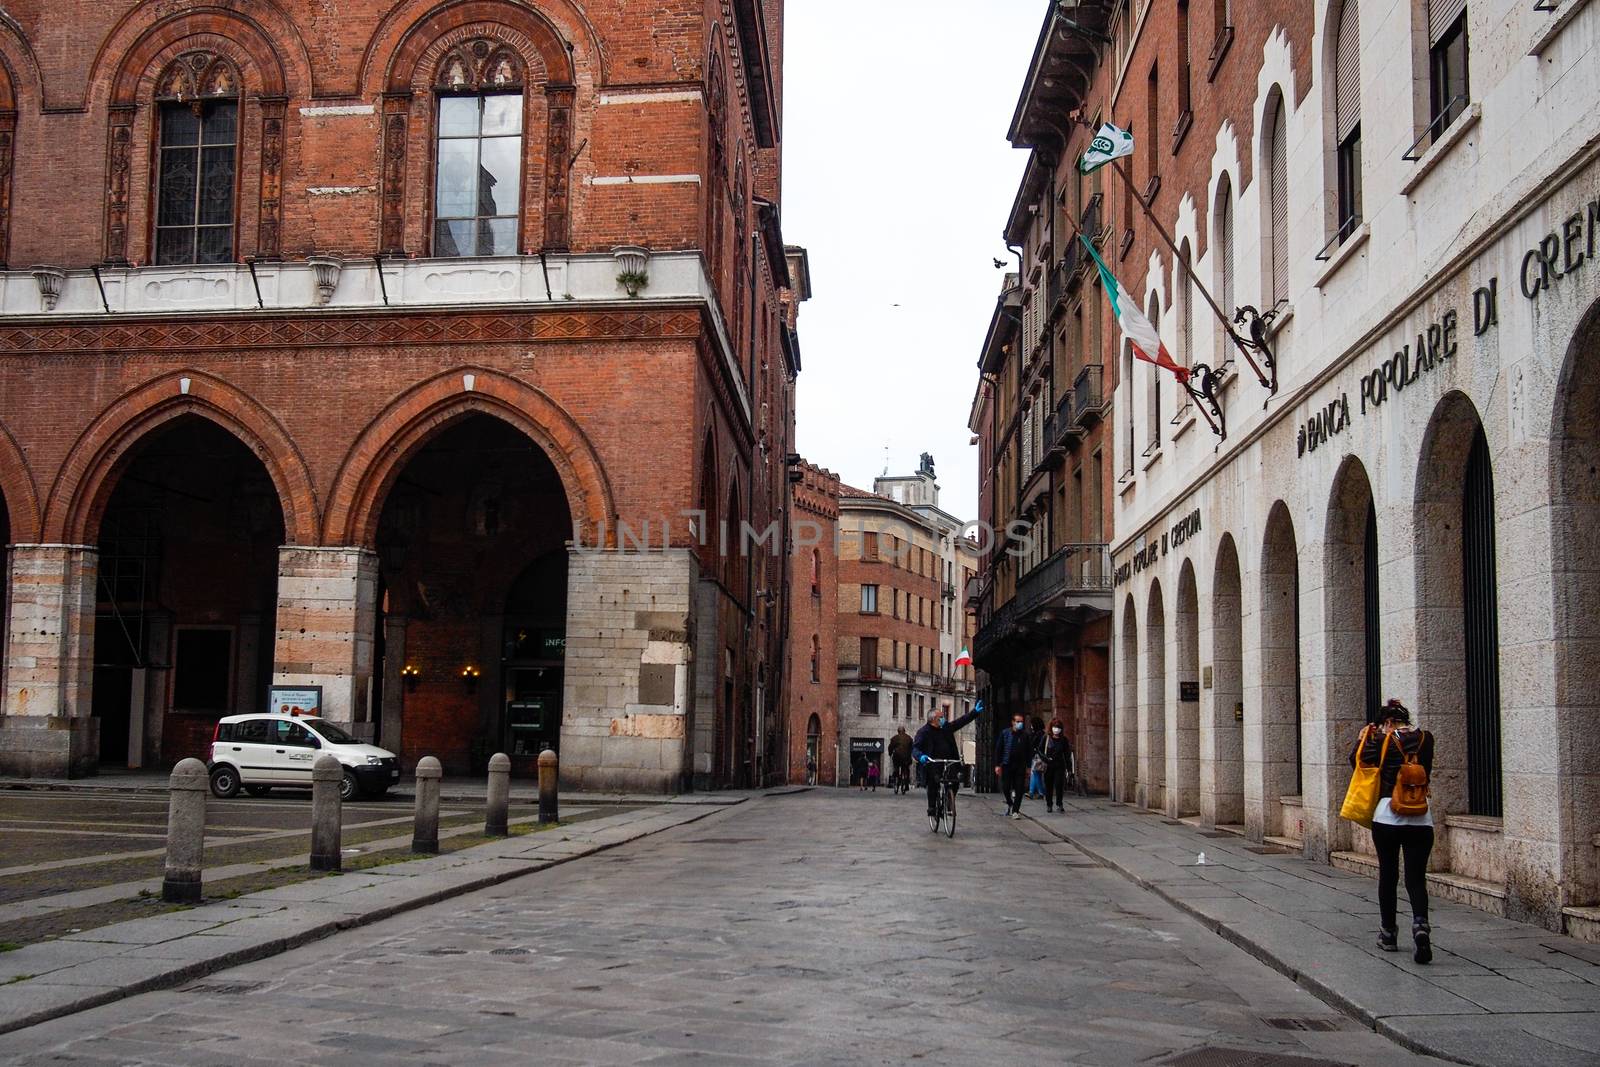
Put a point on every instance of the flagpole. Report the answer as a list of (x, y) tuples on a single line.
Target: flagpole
[(1189, 272), (1220, 431)]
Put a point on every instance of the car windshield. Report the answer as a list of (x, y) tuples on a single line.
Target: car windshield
[(330, 733)]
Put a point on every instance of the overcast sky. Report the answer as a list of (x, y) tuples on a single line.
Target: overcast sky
[(897, 179)]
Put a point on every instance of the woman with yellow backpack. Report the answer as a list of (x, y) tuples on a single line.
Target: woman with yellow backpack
[(1393, 761)]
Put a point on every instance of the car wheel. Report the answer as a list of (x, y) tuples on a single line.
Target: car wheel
[(258, 790), (349, 788), (225, 782)]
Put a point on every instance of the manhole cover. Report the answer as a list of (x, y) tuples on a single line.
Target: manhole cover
[(1234, 1057), (445, 952), (510, 952), (1321, 1025), (223, 989)]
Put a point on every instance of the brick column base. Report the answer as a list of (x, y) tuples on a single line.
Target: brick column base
[(327, 611), (45, 726)]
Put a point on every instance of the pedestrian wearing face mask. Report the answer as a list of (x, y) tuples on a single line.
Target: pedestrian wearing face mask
[(936, 739), (1056, 751), (1013, 757)]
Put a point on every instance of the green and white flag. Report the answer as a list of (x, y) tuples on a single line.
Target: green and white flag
[(1110, 143)]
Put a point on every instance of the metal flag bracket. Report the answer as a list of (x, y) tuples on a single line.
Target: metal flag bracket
[(1206, 398), (1259, 324)]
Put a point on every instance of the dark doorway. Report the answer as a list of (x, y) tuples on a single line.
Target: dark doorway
[(187, 592), (1482, 631), (1370, 616), (472, 556)]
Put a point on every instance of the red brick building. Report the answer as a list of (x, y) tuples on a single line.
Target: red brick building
[(429, 355), (812, 711)]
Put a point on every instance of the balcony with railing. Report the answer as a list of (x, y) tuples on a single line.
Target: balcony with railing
[(1061, 427), (1088, 395), (1093, 225), (1071, 588)]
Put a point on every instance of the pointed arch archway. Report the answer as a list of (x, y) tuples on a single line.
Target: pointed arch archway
[(18, 493), (419, 414), (78, 497)]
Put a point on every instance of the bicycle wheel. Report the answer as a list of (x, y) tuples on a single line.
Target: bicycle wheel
[(935, 819), (950, 812)]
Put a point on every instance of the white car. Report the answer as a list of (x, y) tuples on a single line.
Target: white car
[(260, 752)]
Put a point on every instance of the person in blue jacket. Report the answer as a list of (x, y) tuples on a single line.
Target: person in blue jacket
[(936, 739), (1013, 757)]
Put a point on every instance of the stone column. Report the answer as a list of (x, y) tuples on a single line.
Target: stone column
[(45, 723), (327, 612)]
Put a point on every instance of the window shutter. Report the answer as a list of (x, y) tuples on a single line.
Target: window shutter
[(1279, 165), (1442, 14), (1347, 73), (1225, 246)]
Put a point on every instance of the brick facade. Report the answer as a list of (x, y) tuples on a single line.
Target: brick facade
[(337, 371)]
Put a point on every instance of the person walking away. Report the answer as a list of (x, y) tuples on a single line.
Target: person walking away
[(872, 775), (1013, 755), (1402, 827), (1056, 752), (936, 739), (811, 771), (1036, 777), (900, 755)]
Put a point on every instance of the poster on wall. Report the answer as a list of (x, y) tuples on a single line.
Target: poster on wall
[(300, 700)]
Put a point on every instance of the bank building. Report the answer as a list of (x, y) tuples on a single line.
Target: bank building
[(1390, 489)]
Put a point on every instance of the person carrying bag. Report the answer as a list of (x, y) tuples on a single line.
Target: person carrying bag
[(1393, 763)]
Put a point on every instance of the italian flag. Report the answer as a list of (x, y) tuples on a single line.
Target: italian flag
[(965, 659), (1135, 327)]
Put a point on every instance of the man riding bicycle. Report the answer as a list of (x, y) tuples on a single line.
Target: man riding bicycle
[(900, 753), (936, 740)]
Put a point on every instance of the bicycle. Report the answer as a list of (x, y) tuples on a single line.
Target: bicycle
[(944, 809), (902, 780)]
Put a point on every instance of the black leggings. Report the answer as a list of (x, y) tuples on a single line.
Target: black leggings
[(1416, 842), (1055, 783)]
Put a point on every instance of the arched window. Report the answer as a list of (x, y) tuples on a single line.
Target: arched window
[(1275, 155), (197, 108), (1127, 418), (816, 572), (1222, 242), (1347, 117), (478, 168), (1153, 397), (816, 658)]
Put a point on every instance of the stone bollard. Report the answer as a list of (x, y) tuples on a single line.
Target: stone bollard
[(186, 832), (549, 802), (326, 814), (425, 832), (496, 820)]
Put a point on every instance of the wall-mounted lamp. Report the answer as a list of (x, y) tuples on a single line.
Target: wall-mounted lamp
[(470, 675), (412, 674)]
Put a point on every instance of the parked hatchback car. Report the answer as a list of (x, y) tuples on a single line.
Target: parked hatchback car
[(262, 752)]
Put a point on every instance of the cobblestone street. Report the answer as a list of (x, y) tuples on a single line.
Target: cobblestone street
[(828, 927)]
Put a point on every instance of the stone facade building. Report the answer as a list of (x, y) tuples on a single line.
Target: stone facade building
[(1403, 503), (426, 360)]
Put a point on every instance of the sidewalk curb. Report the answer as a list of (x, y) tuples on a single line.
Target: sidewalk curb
[(1259, 951), (394, 795), (186, 973)]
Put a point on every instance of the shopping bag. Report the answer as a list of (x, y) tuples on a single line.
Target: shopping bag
[(1361, 798)]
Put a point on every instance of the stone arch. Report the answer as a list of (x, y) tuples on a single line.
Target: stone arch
[(1274, 733), (516, 24), (238, 41), (18, 491), (1222, 730), (568, 41), (81, 490), (1153, 721), (1183, 753), (1128, 705), (1575, 581), (1351, 660), (1440, 617), (413, 418)]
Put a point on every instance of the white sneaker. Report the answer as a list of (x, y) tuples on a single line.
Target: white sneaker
[(1016, 815)]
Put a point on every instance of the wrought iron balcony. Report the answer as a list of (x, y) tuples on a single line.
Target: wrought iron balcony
[(1061, 428), (1093, 225), (1089, 395), (1070, 588)]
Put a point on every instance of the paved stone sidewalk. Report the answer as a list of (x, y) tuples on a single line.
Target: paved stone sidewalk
[(826, 928), (1497, 992), (73, 973)]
